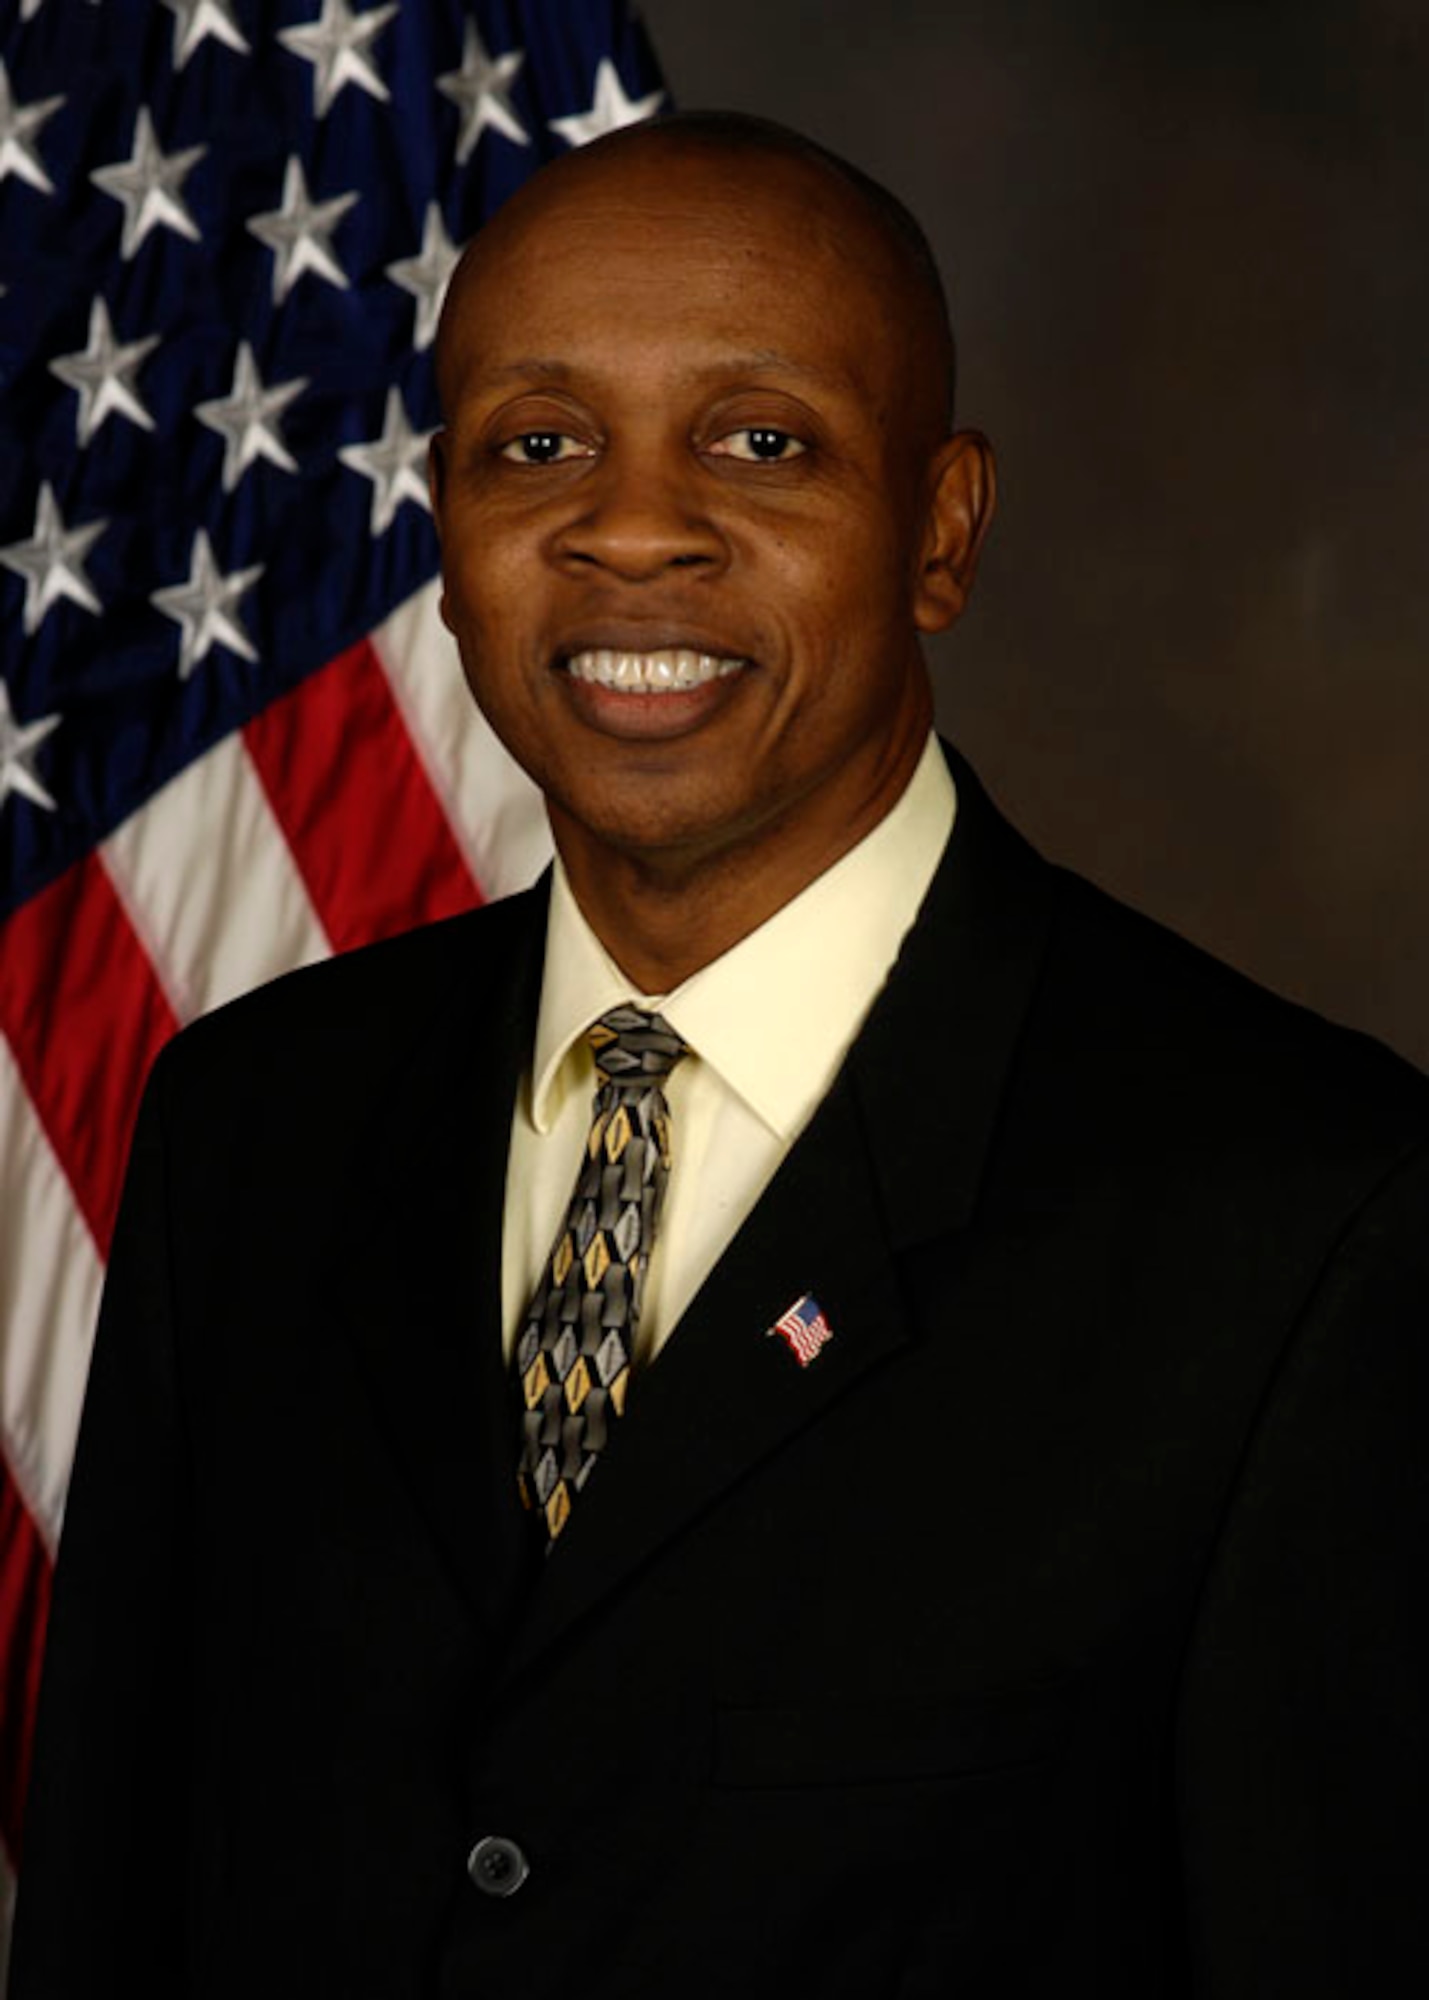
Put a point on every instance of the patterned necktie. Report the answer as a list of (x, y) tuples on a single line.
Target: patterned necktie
[(578, 1338)]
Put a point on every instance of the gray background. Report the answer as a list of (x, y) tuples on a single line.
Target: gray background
[(1188, 252)]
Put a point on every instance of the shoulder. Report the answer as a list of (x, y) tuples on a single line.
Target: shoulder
[(1183, 1125), (1207, 1120), (340, 1017), (1138, 1046), (1134, 995)]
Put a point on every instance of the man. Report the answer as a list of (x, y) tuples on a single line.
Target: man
[(972, 1533)]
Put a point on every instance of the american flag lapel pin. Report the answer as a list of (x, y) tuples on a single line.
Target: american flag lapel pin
[(803, 1329)]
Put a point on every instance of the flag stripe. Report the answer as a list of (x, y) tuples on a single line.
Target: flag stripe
[(48, 1299), (210, 884), (24, 1612), (84, 1015), (366, 831), (495, 811), (225, 574)]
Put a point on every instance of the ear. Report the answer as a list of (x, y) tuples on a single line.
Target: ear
[(962, 495), (436, 487), (437, 473)]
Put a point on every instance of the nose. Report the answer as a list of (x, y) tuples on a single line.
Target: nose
[(640, 516)]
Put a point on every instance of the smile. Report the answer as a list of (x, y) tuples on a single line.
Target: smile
[(669, 670)]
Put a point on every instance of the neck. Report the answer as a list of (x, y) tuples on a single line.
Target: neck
[(663, 916)]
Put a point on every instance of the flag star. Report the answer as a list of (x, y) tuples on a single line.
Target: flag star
[(336, 44), (18, 743), (148, 184), (481, 91), (611, 110), (103, 374), (395, 463), (201, 607), (196, 20), (426, 276), (52, 561), (246, 419), (298, 233), (18, 125)]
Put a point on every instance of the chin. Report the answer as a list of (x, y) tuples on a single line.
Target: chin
[(649, 821)]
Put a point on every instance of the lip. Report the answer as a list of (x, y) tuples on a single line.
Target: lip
[(650, 718), (639, 717), (632, 717)]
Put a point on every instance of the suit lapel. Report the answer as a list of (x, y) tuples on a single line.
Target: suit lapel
[(932, 1065), (893, 1156), (424, 1299)]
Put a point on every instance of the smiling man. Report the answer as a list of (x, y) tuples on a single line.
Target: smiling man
[(811, 1407), (696, 506)]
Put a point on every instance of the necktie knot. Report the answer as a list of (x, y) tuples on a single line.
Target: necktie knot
[(631, 1046)]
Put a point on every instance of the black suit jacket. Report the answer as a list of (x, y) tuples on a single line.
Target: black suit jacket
[(1058, 1630)]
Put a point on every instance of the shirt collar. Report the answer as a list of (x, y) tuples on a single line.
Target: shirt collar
[(776, 1013)]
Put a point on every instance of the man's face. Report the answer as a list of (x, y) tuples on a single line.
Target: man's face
[(685, 498)]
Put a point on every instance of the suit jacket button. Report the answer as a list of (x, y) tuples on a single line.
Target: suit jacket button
[(497, 1866)]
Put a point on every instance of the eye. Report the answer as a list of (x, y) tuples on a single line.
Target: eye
[(759, 444), (542, 448)]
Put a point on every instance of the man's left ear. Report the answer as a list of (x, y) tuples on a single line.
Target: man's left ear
[(963, 493), (436, 487)]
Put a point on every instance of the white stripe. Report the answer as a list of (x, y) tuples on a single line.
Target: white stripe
[(495, 811), (50, 1276), (209, 883)]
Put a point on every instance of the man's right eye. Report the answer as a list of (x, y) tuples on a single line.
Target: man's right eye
[(541, 448)]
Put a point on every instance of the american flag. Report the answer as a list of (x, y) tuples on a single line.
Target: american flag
[(803, 1329), (233, 735)]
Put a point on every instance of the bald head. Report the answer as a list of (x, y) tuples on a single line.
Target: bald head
[(726, 160)]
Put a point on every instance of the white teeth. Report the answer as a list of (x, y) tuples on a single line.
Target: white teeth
[(664, 672)]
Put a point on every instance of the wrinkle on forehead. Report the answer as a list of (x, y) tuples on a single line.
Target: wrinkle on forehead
[(750, 363)]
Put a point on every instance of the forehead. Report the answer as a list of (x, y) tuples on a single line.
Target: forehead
[(682, 255)]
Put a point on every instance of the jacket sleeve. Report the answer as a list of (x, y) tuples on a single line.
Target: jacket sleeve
[(101, 1894), (1303, 1747)]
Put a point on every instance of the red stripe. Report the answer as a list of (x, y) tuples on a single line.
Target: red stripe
[(85, 1015), (24, 1613), (367, 831)]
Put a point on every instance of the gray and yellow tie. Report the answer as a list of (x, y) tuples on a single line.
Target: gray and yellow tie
[(577, 1341)]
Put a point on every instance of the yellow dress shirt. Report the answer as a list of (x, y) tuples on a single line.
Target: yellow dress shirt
[(768, 1025)]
